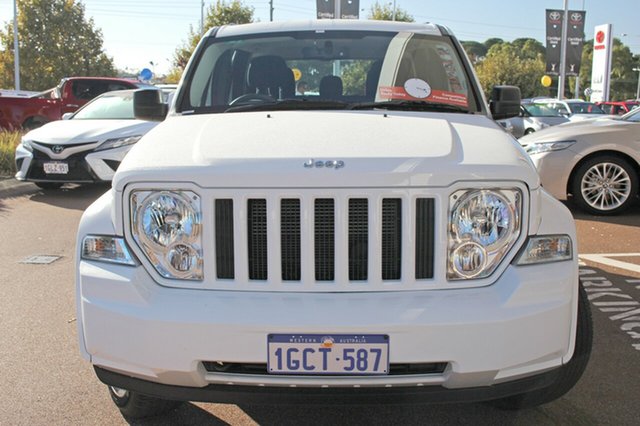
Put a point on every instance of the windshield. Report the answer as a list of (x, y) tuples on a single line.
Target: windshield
[(633, 115), (108, 107), (585, 108), (538, 110), (327, 69)]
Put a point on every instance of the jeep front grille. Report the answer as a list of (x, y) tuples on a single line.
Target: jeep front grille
[(356, 240)]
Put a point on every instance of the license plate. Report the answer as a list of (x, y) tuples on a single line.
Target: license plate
[(56, 168), (336, 354)]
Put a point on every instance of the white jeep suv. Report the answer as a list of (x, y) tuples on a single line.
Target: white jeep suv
[(375, 238)]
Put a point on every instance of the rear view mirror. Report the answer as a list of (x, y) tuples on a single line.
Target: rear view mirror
[(148, 105), (67, 115), (504, 102)]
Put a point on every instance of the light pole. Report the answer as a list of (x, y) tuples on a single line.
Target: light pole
[(16, 49), (637, 69)]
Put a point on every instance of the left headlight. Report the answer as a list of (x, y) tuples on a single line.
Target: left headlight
[(539, 148), (483, 226), (167, 226), (26, 144), (118, 142)]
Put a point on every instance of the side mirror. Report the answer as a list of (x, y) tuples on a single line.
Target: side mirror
[(67, 115), (148, 105), (504, 102)]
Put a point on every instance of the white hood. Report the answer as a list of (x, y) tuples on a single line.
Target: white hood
[(70, 132), (269, 149)]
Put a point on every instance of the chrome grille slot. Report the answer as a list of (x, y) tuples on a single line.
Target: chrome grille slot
[(324, 233), (224, 239), (358, 239), (290, 239), (257, 238), (425, 211), (391, 238)]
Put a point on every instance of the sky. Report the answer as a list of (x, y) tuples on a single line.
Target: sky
[(145, 33)]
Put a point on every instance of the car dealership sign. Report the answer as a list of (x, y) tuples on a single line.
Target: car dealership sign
[(575, 40), (602, 48)]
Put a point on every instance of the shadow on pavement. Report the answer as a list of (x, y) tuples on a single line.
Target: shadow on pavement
[(71, 196), (628, 217)]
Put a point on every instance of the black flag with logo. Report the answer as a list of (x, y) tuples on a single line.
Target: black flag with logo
[(326, 9), (575, 40), (350, 9)]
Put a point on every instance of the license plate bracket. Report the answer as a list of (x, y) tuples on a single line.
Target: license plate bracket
[(328, 354)]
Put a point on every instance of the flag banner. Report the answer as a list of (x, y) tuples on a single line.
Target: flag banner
[(350, 9), (326, 9), (575, 40)]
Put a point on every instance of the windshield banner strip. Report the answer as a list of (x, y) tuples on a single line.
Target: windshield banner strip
[(441, 96)]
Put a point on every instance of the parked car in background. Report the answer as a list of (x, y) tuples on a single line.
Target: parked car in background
[(87, 146), (73, 92), (594, 162), (533, 117), (618, 107), (573, 109)]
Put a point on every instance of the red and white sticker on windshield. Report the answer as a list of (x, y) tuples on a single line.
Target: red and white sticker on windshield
[(419, 90)]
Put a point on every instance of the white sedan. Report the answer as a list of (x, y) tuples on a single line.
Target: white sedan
[(86, 147), (595, 162)]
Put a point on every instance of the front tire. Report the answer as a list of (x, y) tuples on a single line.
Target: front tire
[(605, 185), (569, 373), (134, 405)]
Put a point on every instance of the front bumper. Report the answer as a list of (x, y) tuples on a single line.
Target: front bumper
[(225, 394), (520, 326), (84, 167)]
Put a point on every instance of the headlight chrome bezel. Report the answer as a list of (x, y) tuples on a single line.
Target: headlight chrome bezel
[(180, 240), (487, 251)]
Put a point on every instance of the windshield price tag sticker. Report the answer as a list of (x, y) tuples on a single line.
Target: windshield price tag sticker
[(441, 96), (333, 354)]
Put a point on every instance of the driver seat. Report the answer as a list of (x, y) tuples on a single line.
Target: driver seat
[(269, 75)]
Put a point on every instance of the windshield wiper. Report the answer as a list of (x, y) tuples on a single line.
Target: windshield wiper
[(411, 106), (287, 105)]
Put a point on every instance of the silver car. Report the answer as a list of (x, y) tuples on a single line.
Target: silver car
[(595, 162), (533, 117)]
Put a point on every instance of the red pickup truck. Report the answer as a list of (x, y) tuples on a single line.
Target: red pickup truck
[(73, 92)]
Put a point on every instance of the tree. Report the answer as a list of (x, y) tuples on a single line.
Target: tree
[(384, 12), (475, 50), (218, 14), (56, 40), (491, 41), (507, 63)]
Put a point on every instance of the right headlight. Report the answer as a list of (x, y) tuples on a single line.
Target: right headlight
[(166, 225), (483, 226)]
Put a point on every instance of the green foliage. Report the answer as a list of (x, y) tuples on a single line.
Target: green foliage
[(506, 63), (56, 40), (384, 12), (8, 143), (475, 50), (220, 13)]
